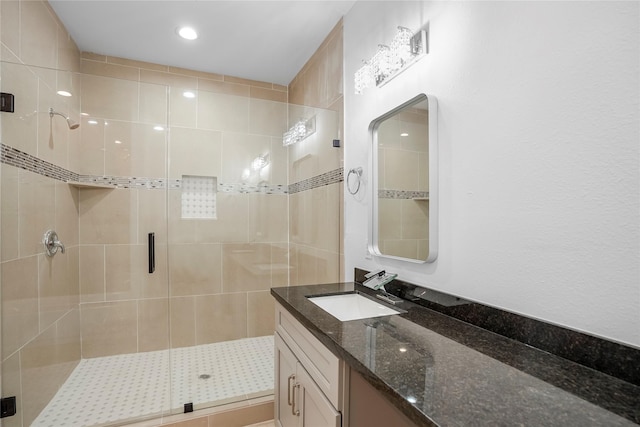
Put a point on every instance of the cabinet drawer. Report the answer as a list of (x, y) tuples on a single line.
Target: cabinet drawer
[(323, 366)]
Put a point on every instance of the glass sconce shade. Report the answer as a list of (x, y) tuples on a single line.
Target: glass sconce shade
[(299, 131), (389, 61)]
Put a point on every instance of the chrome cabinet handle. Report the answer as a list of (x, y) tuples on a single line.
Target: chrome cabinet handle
[(294, 411), (291, 377)]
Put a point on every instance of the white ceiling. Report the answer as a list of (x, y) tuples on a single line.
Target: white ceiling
[(260, 40)]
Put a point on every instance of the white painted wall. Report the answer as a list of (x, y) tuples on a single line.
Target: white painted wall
[(539, 133)]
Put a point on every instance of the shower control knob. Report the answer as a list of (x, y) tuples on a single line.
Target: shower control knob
[(52, 243)]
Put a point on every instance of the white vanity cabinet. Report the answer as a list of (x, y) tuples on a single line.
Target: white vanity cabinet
[(309, 378), (299, 401)]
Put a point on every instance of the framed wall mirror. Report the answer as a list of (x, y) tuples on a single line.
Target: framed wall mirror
[(404, 214)]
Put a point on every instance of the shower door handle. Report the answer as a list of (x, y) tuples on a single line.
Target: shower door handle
[(152, 252)]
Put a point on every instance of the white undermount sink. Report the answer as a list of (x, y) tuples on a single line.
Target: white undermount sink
[(351, 306)]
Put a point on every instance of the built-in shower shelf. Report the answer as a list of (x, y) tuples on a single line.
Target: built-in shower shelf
[(90, 185), (420, 199)]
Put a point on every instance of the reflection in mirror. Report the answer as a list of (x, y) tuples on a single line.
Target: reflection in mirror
[(404, 151)]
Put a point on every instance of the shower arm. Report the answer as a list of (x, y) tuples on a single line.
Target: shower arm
[(70, 123), (52, 112)]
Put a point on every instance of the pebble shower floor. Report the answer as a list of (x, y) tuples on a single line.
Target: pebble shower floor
[(108, 390)]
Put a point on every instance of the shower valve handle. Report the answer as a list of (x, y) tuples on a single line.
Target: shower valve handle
[(52, 243)]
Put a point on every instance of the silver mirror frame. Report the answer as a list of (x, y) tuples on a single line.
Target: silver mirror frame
[(433, 180)]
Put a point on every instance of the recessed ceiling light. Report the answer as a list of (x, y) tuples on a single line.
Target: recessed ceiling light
[(63, 93), (188, 94), (404, 134), (187, 33), (117, 141)]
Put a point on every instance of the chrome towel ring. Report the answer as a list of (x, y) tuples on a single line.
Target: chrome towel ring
[(357, 173)]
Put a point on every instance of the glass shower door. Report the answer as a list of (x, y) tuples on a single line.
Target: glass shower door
[(315, 197), (85, 332), (239, 225), (228, 231)]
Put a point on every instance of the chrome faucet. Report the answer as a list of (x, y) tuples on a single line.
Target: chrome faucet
[(377, 279)]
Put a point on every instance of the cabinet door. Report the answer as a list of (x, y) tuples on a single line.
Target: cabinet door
[(285, 376), (315, 409)]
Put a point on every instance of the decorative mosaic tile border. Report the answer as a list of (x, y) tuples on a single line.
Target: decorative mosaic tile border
[(331, 177), (22, 160), (176, 184), (125, 182), (17, 158), (246, 188), (402, 194)]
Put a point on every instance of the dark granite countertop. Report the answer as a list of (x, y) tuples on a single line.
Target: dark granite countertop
[(441, 371)]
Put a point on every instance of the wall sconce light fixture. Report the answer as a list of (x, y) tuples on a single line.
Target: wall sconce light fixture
[(299, 131), (405, 49)]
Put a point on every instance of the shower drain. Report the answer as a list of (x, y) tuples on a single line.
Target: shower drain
[(204, 376)]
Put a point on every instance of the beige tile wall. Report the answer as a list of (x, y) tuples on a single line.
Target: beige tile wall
[(316, 216), (403, 227), (403, 161), (40, 323), (319, 83), (315, 154), (99, 288), (218, 271), (403, 164), (40, 295)]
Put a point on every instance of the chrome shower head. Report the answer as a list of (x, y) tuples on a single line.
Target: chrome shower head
[(72, 125)]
